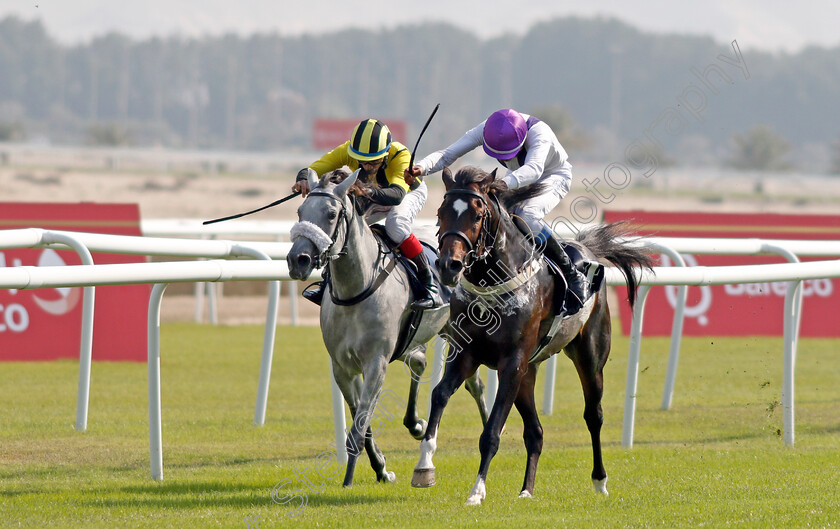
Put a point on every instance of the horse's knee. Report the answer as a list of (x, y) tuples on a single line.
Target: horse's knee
[(533, 437), (354, 445), (475, 386), (594, 416), (533, 432), (440, 396)]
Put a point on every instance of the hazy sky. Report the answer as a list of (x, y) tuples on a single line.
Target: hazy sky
[(774, 25)]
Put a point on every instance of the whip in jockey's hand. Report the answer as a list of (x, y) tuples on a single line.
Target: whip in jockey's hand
[(360, 189), (410, 175)]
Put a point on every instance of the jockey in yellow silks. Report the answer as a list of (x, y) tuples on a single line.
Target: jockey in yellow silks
[(382, 163)]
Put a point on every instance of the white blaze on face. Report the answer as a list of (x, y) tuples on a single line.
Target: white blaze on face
[(460, 206)]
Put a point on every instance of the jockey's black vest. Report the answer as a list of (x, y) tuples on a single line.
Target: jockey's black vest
[(520, 157)]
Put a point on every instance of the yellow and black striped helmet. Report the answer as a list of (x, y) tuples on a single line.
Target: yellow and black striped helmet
[(370, 141)]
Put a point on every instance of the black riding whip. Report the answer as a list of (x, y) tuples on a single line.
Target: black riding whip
[(296, 193), (411, 162), (293, 195)]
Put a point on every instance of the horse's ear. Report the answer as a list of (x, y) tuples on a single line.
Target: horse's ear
[(448, 181), (484, 185)]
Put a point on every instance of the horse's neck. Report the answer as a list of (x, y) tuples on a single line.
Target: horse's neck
[(353, 272), (509, 254)]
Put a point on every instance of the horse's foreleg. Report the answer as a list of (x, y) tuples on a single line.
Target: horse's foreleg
[(360, 431), (351, 387), (461, 366), (415, 361), (533, 432), (510, 378), (475, 386)]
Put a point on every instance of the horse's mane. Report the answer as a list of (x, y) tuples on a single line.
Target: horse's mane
[(335, 177), (507, 198)]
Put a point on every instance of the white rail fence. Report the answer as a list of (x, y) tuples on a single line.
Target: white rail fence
[(85, 243), (89, 275), (672, 247)]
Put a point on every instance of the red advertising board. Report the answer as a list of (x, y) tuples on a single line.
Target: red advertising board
[(753, 309), (45, 324), (329, 133)]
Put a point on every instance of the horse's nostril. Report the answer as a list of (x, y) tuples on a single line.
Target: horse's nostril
[(303, 260), (455, 266)]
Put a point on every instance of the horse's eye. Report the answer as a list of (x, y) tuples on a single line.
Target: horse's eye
[(332, 215), (478, 217)]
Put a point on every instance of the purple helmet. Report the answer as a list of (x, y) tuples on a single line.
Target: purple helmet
[(504, 133)]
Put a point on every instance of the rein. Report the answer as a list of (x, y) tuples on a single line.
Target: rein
[(324, 257)]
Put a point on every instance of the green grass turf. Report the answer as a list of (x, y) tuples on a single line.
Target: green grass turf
[(716, 459)]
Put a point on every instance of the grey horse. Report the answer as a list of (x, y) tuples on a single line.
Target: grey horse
[(366, 303)]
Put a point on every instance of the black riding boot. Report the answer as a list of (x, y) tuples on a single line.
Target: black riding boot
[(316, 293), (578, 284), (430, 300)]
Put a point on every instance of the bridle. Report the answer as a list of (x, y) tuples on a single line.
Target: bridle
[(481, 249), (326, 256), (323, 258)]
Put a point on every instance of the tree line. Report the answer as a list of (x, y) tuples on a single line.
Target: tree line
[(599, 81)]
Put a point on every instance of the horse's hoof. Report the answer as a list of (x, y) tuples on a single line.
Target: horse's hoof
[(525, 494), (423, 477), (387, 477), (419, 430), (478, 492), (601, 486), (475, 499)]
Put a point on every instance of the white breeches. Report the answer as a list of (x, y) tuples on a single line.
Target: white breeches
[(399, 218), (533, 210)]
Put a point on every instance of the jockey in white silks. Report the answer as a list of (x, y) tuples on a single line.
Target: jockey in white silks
[(530, 152)]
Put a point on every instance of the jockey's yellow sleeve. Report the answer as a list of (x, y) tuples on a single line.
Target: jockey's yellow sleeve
[(396, 162)]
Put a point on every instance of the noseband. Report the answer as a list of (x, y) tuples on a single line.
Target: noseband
[(480, 250), (326, 256)]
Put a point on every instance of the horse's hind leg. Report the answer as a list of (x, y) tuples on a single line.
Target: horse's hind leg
[(533, 432), (475, 386), (589, 352), (415, 361)]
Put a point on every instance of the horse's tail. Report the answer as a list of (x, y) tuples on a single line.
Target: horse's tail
[(603, 241)]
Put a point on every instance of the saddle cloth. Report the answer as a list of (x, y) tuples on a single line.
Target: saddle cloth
[(593, 270)]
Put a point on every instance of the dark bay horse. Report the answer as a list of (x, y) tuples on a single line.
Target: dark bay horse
[(505, 306)]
